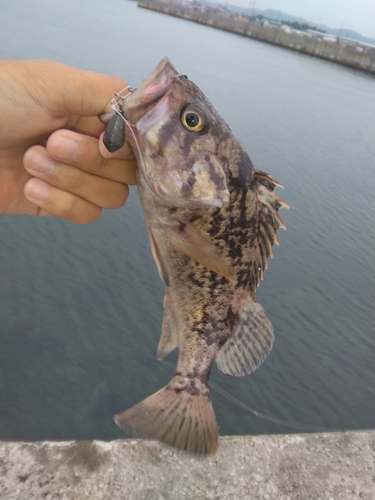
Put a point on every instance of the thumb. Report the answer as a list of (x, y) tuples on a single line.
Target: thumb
[(88, 93), (68, 90)]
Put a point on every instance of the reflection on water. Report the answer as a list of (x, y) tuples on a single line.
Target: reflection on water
[(81, 307)]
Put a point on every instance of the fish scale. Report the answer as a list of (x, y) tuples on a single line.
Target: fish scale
[(212, 221)]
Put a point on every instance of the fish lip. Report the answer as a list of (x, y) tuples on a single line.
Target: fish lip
[(151, 90)]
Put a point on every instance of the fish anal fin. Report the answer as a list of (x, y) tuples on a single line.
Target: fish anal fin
[(186, 239), (250, 343), (169, 337), (176, 417)]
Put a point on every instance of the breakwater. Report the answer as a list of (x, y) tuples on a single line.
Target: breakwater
[(335, 52), (337, 466)]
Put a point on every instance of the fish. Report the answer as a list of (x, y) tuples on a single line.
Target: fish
[(212, 220)]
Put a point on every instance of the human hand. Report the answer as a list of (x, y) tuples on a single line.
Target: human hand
[(52, 161)]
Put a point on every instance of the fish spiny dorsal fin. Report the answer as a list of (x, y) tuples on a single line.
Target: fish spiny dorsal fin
[(176, 416), (250, 343), (269, 222)]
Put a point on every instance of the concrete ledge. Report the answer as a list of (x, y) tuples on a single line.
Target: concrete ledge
[(331, 466)]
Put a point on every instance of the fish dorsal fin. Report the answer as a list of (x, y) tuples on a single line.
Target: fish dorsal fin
[(169, 336), (250, 343), (269, 222), (186, 239)]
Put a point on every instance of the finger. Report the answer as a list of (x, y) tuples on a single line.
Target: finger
[(92, 91), (83, 152), (53, 201), (88, 125), (98, 190), (89, 100)]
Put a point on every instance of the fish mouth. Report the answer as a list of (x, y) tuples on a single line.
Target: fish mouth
[(151, 90)]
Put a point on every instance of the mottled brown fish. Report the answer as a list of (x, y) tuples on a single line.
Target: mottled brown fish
[(212, 222)]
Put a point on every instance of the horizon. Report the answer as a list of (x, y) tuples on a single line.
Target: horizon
[(335, 14)]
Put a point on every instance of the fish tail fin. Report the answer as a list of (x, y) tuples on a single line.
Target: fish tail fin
[(179, 416)]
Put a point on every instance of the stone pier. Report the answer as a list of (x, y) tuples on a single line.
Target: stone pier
[(326, 466)]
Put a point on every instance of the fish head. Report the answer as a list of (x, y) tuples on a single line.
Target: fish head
[(176, 135)]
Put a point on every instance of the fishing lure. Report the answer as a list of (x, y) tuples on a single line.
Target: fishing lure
[(114, 135)]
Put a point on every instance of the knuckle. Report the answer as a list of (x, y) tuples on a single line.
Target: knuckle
[(80, 211), (70, 210), (118, 199), (90, 158), (77, 180), (90, 216)]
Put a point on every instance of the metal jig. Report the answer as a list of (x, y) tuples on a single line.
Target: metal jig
[(114, 135)]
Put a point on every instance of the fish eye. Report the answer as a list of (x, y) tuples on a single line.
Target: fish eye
[(193, 119)]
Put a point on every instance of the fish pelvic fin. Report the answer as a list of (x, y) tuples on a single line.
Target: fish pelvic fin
[(157, 257), (250, 343), (269, 222), (177, 416)]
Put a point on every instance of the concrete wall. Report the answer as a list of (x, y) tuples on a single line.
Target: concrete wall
[(329, 466), (319, 48)]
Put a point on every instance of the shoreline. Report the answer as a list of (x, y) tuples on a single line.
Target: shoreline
[(333, 52), (330, 466)]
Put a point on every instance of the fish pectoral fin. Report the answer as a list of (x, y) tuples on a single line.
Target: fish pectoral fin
[(269, 222), (169, 337), (250, 342), (176, 417), (188, 240)]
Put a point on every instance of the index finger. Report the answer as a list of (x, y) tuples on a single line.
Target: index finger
[(82, 151)]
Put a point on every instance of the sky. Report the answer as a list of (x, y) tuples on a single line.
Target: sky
[(358, 15)]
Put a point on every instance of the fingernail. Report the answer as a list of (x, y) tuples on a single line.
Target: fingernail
[(42, 164), (36, 190), (66, 149)]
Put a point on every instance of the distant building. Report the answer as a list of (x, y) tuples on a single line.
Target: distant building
[(271, 23), (355, 45), (299, 32), (329, 38), (223, 10), (315, 34), (287, 28), (184, 2)]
